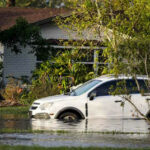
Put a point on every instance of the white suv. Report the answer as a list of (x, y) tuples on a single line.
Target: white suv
[(93, 99)]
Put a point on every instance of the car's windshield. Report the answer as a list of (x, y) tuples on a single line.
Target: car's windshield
[(84, 87)]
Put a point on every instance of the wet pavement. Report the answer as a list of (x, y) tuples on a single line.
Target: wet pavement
[(133, 133)]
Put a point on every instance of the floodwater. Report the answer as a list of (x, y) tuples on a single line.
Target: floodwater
[(96, 132)]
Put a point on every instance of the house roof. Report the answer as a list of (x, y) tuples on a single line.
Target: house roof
[(9, 15)]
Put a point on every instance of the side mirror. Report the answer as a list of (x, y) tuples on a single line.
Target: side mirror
[(92, 96)]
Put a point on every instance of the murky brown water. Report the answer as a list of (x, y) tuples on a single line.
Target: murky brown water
[(84, 133)]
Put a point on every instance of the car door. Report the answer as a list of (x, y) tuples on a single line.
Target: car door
[(104, 104), (137, 99)]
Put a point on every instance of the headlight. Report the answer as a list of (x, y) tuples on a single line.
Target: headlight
[(45, 106)]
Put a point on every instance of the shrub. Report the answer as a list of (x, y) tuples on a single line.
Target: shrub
[(40, 87), (12, 91), (55, 78)]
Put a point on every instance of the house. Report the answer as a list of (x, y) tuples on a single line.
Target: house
[(24, 63)]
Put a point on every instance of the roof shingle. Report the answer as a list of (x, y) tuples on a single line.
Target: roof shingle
[(9, 15)]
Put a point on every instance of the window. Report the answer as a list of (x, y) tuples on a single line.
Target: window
[(85, 87), (128, 86), (144, 86), (132, 86), (106, 88)]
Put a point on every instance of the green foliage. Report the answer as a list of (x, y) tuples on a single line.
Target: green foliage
[(36, 3), (66, 66), (56, 3), (128, 49), (40, 88), (132, 57), (23, 34), (122, 25), (2, 3), (68, 71), (43, 85), (56, 76), (26, 3), (124, 28), (31, 3)]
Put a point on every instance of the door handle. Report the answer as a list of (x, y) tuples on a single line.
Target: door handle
[(118, 101)]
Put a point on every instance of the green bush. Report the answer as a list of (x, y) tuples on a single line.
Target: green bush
[(55, 78), (39, 90)]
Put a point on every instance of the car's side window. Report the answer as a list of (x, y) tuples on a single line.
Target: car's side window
[(132, 86), (129, 86), (143, 86), (105, 89)]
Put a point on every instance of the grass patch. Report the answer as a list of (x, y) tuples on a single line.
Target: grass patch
[(6, 147), (7, 130), (14, 110)]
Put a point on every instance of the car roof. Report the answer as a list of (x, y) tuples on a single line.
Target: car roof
[(114, 77)]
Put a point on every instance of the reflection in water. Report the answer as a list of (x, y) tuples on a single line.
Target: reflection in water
[(11, 121), (93, 125), (22, 122), (75, 138)]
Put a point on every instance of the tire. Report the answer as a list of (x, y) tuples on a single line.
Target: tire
[(69, 116), (148, 114)]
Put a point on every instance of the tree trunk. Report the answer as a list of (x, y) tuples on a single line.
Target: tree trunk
[(11, 3)]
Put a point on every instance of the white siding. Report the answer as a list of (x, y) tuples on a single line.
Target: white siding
[(52, 31), (18, 65)]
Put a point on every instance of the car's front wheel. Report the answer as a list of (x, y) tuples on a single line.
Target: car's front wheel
[(148, 114), (69, 116)]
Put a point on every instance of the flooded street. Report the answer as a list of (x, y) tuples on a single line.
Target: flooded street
[(11, 121), (22, 122), (93, 125), (76, 139), (97, 132)]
